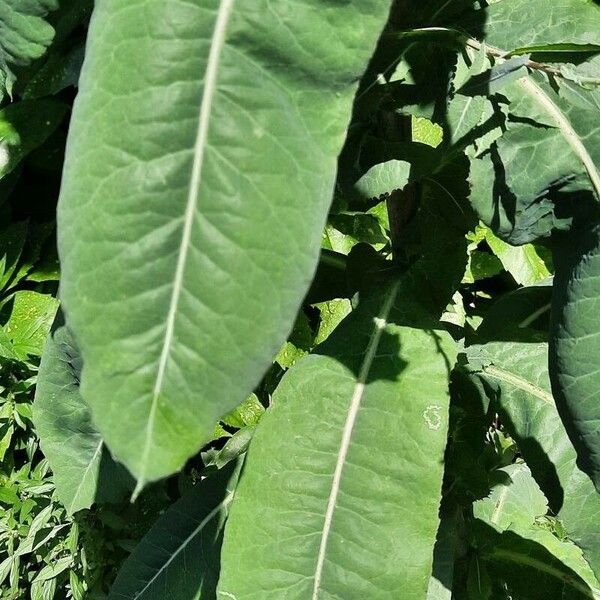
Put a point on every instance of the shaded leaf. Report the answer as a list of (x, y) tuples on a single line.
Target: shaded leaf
[(84, 472), (24, 36), (181, 551), (575, 342)]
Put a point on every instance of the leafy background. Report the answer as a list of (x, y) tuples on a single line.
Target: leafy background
[(490, 494)]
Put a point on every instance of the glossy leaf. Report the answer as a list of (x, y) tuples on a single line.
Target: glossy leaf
[(180, 554), (342, 453), (199, 171), (84, 472)]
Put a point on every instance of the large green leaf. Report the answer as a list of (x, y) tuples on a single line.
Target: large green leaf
[(199, 170), (575, 342), (551, 143), (83, 470), (179, 557), (514, 372), (351, 455), (550, 150), (24, 36)]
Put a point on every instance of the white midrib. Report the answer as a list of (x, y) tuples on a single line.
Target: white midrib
[(209, 517), (519, 383), (84, 476), (355, 402), (210, 83), (566, 128)]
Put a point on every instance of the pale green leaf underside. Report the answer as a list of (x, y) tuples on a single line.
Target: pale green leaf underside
[(351, 453), (83, 470), (199, 170)]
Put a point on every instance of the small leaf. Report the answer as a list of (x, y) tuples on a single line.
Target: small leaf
[(515, 501), (31, 316)]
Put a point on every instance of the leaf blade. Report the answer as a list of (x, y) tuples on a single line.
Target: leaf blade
[(221, 209)]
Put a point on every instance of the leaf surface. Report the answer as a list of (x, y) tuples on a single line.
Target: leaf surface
[(575, 342), (83, 470), (515, 501), (351, 453), (199, 171), (24, 36), (180, 554), (515, 373)]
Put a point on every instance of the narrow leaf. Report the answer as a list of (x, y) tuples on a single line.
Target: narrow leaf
[(575, 342)]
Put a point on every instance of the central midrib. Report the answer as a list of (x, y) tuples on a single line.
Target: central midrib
[(210, 82), (379, 325)]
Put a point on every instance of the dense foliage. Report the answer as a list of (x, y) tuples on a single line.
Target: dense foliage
[(328, 322)]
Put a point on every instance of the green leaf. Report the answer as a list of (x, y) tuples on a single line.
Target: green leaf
[(202, 191), (351, 453), (31, 316), (522, 262), (382, 179), (444, 554), (534, 564), (24, 36), (575, 342), (494, 79), (515, 374), (515, 501), (12, 241), (550, 148), (24, 126), (84, 472), (181, 551)]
